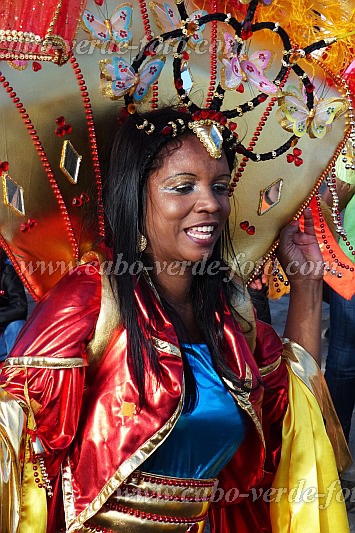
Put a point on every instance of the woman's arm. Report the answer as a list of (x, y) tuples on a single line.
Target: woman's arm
[(301, 259)]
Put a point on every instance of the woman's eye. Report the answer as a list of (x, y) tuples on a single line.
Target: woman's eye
[(184, 189), (221, 187)]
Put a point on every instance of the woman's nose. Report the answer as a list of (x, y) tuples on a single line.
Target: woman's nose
[(207, 201)]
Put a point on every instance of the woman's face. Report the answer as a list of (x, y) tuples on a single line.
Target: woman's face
[(187, 203)]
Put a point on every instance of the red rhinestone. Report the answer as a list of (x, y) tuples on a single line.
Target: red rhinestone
[(244, 225), (290, 158), (24, 227), (309, 88), (36, 66), (251, 230), (262, 98), (298, 161), (240, 88), (60, 121), (297, 152), (4, 166), (68, 128), (167, 130), (232, 126)]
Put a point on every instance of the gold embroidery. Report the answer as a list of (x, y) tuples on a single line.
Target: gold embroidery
[(109, 316), (128, 409), (266, 370), (46, 362), (166, 347), (242, 398), (35, 406)]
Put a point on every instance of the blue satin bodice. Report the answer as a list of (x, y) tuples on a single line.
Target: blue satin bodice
[(203, 441)]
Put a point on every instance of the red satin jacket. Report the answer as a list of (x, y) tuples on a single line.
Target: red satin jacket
[(72, 355)]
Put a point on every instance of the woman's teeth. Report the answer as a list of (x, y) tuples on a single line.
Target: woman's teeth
[(201, 232)]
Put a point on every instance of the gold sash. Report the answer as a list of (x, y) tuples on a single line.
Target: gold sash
[(146, 502)]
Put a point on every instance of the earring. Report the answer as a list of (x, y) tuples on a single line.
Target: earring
[(142, 243)]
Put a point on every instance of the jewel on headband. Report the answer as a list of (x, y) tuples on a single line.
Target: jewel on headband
[(210, 135)]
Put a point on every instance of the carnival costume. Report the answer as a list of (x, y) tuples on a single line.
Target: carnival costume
[(73, 378), (70, 426)]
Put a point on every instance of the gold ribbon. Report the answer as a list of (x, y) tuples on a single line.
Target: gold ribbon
[(306, 494)]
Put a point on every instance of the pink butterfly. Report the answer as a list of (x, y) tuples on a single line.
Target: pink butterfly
[(167, 20), (114, 29), (236, 71), (119, 78)]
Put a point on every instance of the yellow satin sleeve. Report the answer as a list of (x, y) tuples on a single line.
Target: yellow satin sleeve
[(33, 515), (23, 505), (306, 493)]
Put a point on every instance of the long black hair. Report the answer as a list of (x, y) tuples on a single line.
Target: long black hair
[(134, 155)]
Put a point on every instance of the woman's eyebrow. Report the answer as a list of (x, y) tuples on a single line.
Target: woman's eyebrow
[(179, 174)]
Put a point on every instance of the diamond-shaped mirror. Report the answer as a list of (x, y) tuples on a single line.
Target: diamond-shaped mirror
[(70, 162), (13, 195), (270, 197)]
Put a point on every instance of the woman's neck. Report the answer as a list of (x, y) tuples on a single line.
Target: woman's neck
[(175, 291), (174, 288)]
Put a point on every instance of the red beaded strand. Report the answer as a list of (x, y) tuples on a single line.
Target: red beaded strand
[(45, 162), (213, 58), (92, 141), (239, 171), (149, 36)]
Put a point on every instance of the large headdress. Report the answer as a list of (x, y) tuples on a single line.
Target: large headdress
[(248, 84)]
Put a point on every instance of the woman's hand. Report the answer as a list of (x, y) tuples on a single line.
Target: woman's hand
[(299, 252), (302, 261)]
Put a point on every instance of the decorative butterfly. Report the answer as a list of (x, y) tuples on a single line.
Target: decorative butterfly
[(236, 71), (167, 20), (119, 78), (18, 64), (294, 115), (111, 30)]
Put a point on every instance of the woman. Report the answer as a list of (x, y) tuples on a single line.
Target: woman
[(140, 383)]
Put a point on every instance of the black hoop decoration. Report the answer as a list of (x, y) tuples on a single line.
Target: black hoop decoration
[(242, 30)]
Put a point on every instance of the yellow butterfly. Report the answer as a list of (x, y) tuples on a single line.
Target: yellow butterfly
[(294, 115)]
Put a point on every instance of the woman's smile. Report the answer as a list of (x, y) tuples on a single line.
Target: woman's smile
[(202, 232), (187, 203)]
